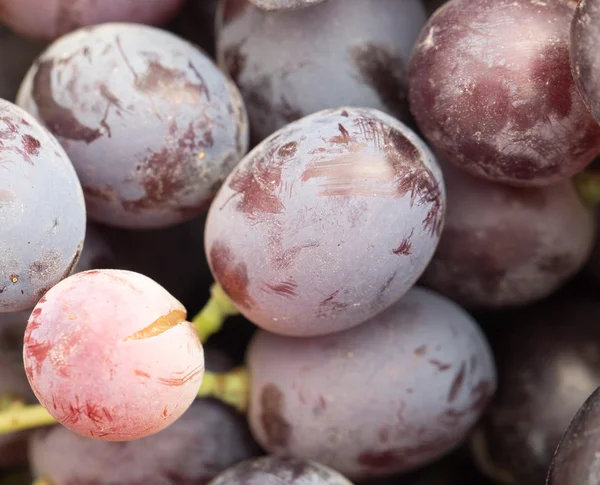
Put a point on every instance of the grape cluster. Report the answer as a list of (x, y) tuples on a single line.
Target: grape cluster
[(310, 242)]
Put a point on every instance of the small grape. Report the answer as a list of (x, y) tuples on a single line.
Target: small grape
[(110, 355), (577, 458), (585, 45), (292, 64), (48, 19), (386, 397), (42, 211), (271, 470), (208, 438), (491, 89), (548, 360), (503, 246), (151, 124), (327, 222), (283, 4)]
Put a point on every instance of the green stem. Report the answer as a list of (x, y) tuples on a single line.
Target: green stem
[(484, 462), (211, 318), (41, 481), (19, 417), (587, 184), (232, 387)]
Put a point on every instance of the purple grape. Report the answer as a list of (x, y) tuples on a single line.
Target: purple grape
[(271, 470), (152, 128), (42, 211), (388, 396), (49, 19), (336, 53), (206, 440), (327, 222), (491, 89), (548, 361), (283, 4), (584, 47), (503, 246), (577, 457)]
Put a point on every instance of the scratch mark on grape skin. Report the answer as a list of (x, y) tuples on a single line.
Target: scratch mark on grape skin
[(140, 373), (160, 325), (180, 381), (287, 289)]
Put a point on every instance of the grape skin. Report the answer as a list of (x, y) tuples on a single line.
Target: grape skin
[(271, 470), (110, 356), (327, 222), (345, 53), (42, 211), (503, 246), (208, 438), (283, 4), (491, 89), (385, 397), (584, 46), (48, 19), (152, 128)]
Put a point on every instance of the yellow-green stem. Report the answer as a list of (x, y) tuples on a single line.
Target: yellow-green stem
[(483, 461), (41, 481), (211, 318), (232, 387), (587, 184), (19, 417)]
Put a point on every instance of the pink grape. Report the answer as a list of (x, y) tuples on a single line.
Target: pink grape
[(110, 355)]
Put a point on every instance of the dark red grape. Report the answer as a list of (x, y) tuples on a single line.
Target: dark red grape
[(49, 19), (336, 53), (576, 460), (548, 361), (585, 46), (111, 356), (206, 440), (152, 128), (42, 210), (491, 89), (503, 246), (327, 222), (283, 4), (388, 396), (274, 470)]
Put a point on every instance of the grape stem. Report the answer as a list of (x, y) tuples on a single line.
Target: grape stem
[(231, 388), (587, 184), (41, 481), (211, 318)]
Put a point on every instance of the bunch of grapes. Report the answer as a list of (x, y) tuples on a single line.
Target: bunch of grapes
[(309, 242)]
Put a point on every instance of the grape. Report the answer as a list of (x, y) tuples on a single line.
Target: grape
[(577, 458), (42, 211), (17, 54), (585, 61), (327, 222), (206, 440), (548, 360), (283, 4), (13, 384), (385, 397), (503, 246), (337, 53), (271, 470), (110, 355), (152, 128), (491, 89), (49, 19)]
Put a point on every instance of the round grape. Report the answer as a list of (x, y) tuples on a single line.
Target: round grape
[(110, 355), (491, 89), (388, 396), (281, 471), (49, 19), (42, 211), (151, 124), (327, 222), (208, 438), (585, 45), (291, 64), (503, 246)]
